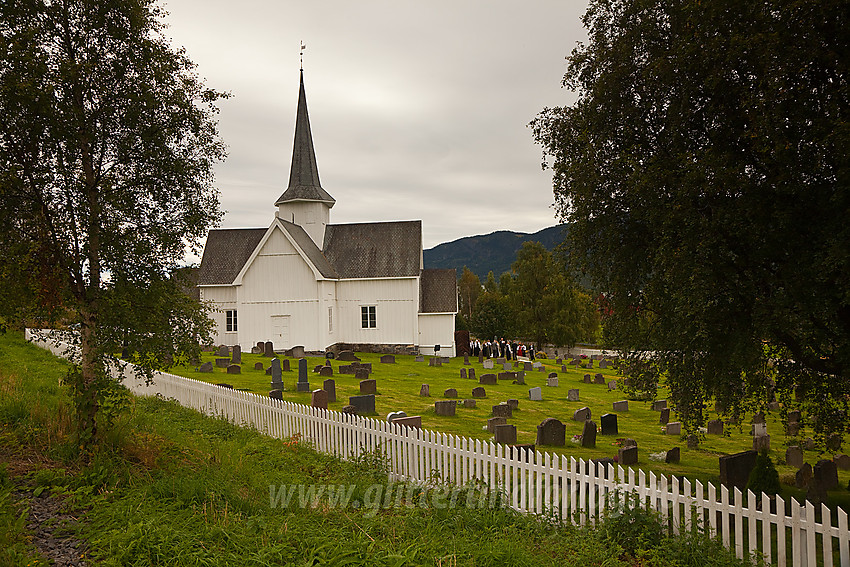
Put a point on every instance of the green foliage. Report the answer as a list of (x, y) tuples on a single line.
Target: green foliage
[(634, 528), (493, 316), (764, 476), (468, 290), (107, 146), (704, 169)]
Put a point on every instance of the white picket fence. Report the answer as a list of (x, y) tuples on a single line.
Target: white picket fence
[(534, 482)]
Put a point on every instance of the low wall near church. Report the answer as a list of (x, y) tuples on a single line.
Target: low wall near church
[(374, 348)]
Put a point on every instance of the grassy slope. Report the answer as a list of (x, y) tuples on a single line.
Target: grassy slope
[(171, 487), (398, 389)]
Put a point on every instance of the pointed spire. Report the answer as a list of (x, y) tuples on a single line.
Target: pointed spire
[(304, 182)]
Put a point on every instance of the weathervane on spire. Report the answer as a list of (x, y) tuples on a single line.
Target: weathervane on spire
[(303, 47)]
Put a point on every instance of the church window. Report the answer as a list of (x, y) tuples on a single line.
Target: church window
[(330, 319), (367, 317), (232, 324)]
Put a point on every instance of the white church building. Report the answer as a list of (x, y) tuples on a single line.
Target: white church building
[(306, 282)]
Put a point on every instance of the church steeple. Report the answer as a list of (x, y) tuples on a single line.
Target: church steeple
[(305, 202), (304, 182)]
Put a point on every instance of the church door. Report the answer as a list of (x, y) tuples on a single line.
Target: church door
[(280, 331)]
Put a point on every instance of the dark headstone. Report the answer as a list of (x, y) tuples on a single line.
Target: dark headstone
[(520, 378), (329, 386), (318, 368), (572, 395), (825, 472), (507, 375), (414, 421), (276, 394), (488, 379), (236, 354), (425, 391), (361, 373), (303, 384), (715, 427), (225, 386), (234, 369), (761, 443), (758, 417), (347, 356), (445, 407), (258, 366), (419, 358), (627, 455), (598, 379), (833, 442), (319, 399), (450, 393), (659, 405), (794, 456), (471, 374), (588, 379), (674, 428), (502, 410), (551, 432), (664, 416), (735, 469), (463, 373), (466, 359), (268, 349), (505, 434), (368, 387), (493, 422), (792, 429), (608, 423), (842, 461), (588, 434), (622, 405), (284, 365), (365, 404), (349, 409), (672, 455), (582, 414), (513, 403), (803, 476), (222, 362), (261, 348), (479, 392), (206, 367), (469, 403), (274, 371), (693, 441), (223, 351), (388, 359), (795, 415)]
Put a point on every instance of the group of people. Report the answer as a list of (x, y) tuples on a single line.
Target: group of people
[(500, 348)]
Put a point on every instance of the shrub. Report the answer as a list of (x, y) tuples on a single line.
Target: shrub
[(635, 529), (764, 477)]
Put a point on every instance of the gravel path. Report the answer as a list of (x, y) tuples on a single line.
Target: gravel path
[(46, 522)]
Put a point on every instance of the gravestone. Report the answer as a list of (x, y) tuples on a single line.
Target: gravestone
[(758, 429), (803, 476), (347, 356), (842, 461), (795, 415), (674, 428), (276, 394), (479, 392), (258, 366), (826, 473), (225, 386), (659, 405), (493, 422), (627, 455), (552, 381), (222, 362), (466, 360), (236, 355), (388, 359), (588, 435), (792, 428), (317, 368), (274, 367), (551, 432), (588, 379), (419, 358), (502, 410), (445, 408), (368, 387), (349, 409), (463, 373), (480, 358), (527, 366), (535, 394), (261, 347), (329, 386), (599, 379), (664, 416), (603, 364), (629, 443), (761, 443), (303, 384), (672, 455), (794, 456), (468, 403), (693, 441), (735, 469), (223, 351), (255, 350), (608, 423), (268, 349), (365, 404), (471, 374), (284, 365), (809, 444), (450, 393), (833, 442), (393, 415), (582, 414), (758, 417), (612, 385), (507, 375), (488, 379), (559, 360), (326, 371), (505, 434), (513, 403), (206, 367), (411, 421), (520, 378), (501, 360), (572, 395), (361, 373), (715, 427), (622, 405), (507, 366), (488, 364), (319, 399), (234, 369), (295, 352)]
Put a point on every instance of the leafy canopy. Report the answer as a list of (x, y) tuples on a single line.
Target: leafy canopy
[(704, 169)]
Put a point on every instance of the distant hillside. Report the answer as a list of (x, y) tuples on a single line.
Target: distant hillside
[(495, 251)]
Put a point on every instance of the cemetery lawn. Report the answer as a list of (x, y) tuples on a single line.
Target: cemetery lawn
[(399, 384), (169, 486)]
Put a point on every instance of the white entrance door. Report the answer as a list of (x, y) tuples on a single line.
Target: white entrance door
[(280, 331)]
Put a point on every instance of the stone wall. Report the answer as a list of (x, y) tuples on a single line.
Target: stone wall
[(374, 348)]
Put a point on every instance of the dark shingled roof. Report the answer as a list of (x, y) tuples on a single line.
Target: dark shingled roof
[(226, 252), (374, 250), (438, 291), (304, 182), (310, 249)]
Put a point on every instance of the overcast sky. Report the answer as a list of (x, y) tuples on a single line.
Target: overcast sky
[(419, 110)]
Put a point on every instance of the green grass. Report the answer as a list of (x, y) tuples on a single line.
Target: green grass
[(172, 487), (398, 389)]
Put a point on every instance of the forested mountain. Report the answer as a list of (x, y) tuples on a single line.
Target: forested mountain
[(495, 251)]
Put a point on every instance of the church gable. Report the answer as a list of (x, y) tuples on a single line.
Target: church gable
[(225, 254)]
